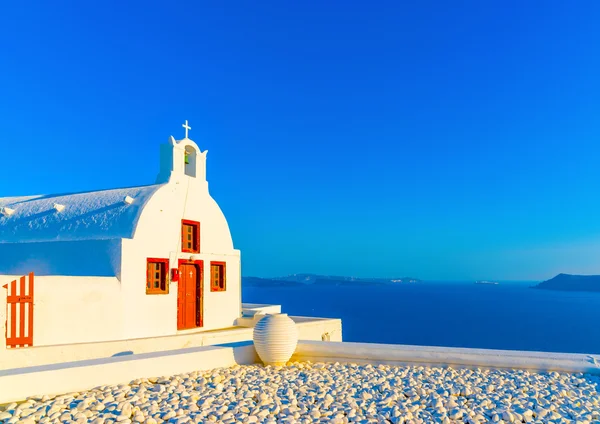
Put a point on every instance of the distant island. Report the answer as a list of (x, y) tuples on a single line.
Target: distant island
[(328, 280), (567, 282), (493, 283)]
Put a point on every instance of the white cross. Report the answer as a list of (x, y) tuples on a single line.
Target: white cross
[(187, 128)]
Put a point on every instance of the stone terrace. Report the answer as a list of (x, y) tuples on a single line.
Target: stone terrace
[(304, 392)]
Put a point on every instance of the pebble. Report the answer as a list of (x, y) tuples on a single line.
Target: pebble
[(305, 392)]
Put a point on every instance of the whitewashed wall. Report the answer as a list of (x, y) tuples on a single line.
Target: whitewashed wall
[(56, 380), (437, 356), (308, 329), (72, 309)]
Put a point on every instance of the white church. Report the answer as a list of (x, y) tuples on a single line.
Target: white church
[(119, 264)]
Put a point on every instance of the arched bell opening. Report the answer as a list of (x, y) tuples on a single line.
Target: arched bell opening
[(190, 161)]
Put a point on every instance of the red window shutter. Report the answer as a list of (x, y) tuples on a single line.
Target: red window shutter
[(190, 236), (156, 276), (218, 274)]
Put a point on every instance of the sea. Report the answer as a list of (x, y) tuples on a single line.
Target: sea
[(510, 316)]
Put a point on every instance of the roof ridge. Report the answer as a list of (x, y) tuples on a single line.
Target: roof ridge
[(45, 196)]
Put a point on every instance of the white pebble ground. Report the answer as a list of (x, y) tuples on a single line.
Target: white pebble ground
[(331, 393)]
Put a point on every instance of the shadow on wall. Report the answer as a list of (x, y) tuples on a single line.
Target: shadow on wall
[(94, 258), (243, 356), (125, 353)]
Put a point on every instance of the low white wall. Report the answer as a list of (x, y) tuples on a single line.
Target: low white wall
[(16, 385), (71, 309), (323, 329), (308, 328), (442, 356), (251, 309)]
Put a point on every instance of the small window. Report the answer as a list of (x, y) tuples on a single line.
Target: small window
[(190, 236), (217, 276), (156, 276)]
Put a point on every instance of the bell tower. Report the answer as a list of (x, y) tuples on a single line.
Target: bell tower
[(182, 158)]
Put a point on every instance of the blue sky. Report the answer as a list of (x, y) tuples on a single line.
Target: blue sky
[(441, 140)]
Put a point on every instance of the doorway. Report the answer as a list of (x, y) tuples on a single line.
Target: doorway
[(189, 296)]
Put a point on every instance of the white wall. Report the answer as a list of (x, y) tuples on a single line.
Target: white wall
[(16, 385), (308, 329), (68, 378), (372, 353), (99, 258), (72, 309)]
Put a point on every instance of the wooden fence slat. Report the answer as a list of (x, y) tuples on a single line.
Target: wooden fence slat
[(22, 310), (30, 329), (13, 312)]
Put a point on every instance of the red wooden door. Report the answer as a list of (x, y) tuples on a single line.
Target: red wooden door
[(188, 297)]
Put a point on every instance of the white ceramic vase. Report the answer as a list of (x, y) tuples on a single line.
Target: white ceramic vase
[(275, 338)]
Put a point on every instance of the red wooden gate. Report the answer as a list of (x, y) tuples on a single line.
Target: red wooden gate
[(19, 313)]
